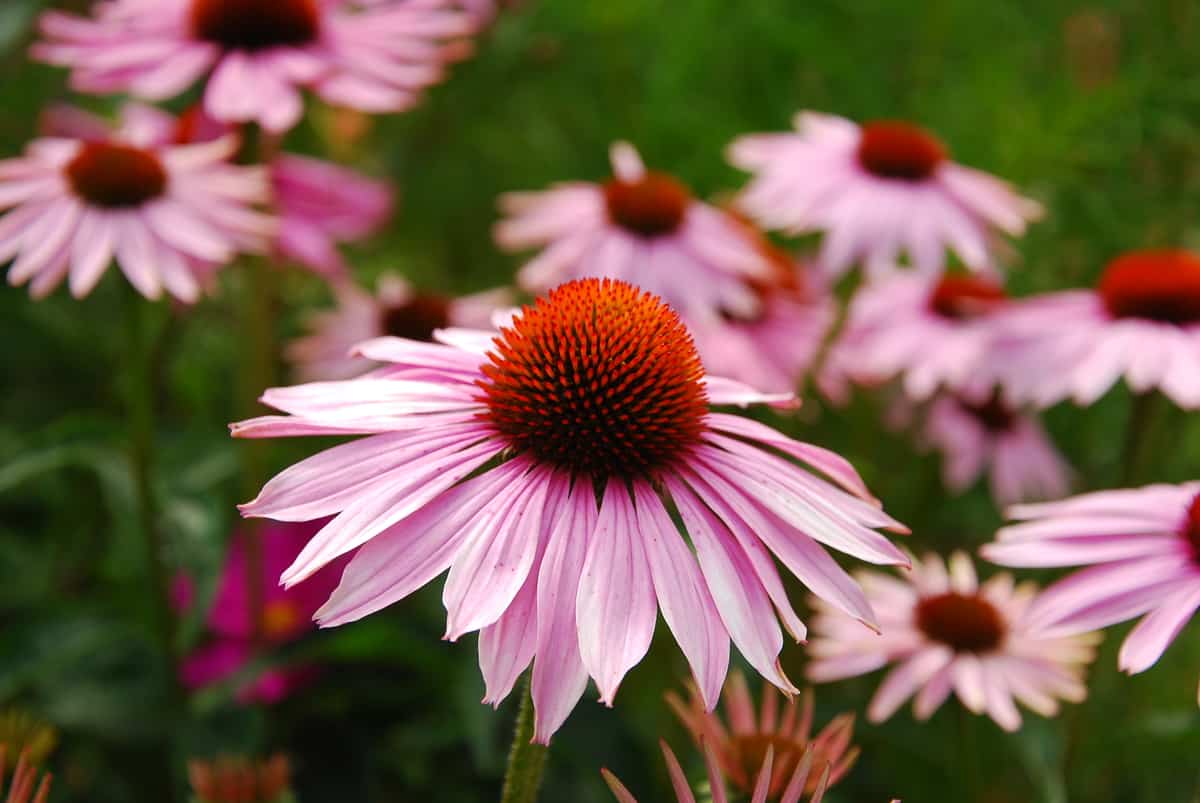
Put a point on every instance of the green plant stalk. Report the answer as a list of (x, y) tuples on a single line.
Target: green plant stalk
[(1143, 413), (526, 760)]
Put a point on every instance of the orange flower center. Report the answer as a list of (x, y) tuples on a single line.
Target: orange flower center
[(255, 24), (599, 378), (652, 206), (964, 622), (416, 318), (116, 176), (993, 414), (964, 297), (901, 151), (1160, 286)]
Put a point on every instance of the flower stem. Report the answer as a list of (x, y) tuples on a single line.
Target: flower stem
[(1142, 413), (526, 760), (968, 762)]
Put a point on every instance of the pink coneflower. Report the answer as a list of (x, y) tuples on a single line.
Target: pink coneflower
[(260, 53), (741, 746), (287, 616), (396, 309), (801, 777), (930, 334), (540, 465), (1142, 322), (948, 633), (76, 204), (876, 191), (991, 437), (643, 227), (1143, 547)]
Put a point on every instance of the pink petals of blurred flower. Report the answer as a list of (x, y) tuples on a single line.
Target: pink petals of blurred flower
[(947, 632), (878, 192), (1143, 549), (258, 54)]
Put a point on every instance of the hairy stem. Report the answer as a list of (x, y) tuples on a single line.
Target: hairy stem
[(526, 761)]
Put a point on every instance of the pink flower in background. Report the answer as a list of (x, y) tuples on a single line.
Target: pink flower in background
[(948, 633), (536, 464), (287, 616), (77, 203), (989, 437), (396, 309), (877, 191), (1143, 549), (930, 334), (740, 743), (1142, 322), (258, 54), (642, 227), (320, 204)]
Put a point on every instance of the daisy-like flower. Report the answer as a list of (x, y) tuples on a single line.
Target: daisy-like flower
[(741, 746), (991, 437), (258, 54), (877, 191), (949, 633), (930, 334), (396, 309), (287, 616), (800, 778), (1142, 547), (540, 466), (236, 779), (1142, 322), (159, 210), (23, 787), (643, 227)]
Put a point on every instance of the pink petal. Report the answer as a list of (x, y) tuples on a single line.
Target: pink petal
[(1147, 642)]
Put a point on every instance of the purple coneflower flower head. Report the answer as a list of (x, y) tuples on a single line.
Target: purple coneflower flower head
[(805, 774), (876, 191), (1142, 322), (930, 334), (540, 465), (75, 204), (321, 204), (258, 54), (1142, 547), (947, 632), (990, 437), (286, 616), (397, 309), (740, 743), (642, 227)]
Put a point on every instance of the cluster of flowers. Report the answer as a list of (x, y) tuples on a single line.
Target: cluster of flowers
[(561, 461)]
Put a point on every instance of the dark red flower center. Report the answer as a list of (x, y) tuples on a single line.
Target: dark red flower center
[(599, 378), (1160, 286), (652, 206), (1191, 527), (993, 414), (964, 622), (963, 297), (902, 151), (416, 318), (114, 176), (255, 24)]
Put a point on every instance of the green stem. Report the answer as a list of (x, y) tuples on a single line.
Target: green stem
[(1142, 413), (526, 760), (141, 395), (968, 756)]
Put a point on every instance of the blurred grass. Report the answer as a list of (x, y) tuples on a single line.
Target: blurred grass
[(1094, 108)]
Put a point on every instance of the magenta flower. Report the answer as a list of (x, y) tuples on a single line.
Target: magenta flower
[(990, 437), (949, 633), (1143, 550), (76, 204), (320, 204), (287, 616), (258, 54), (540, 466), (396, 309), (1142, 322), (930, 334), (642, 227), (877, 191)]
